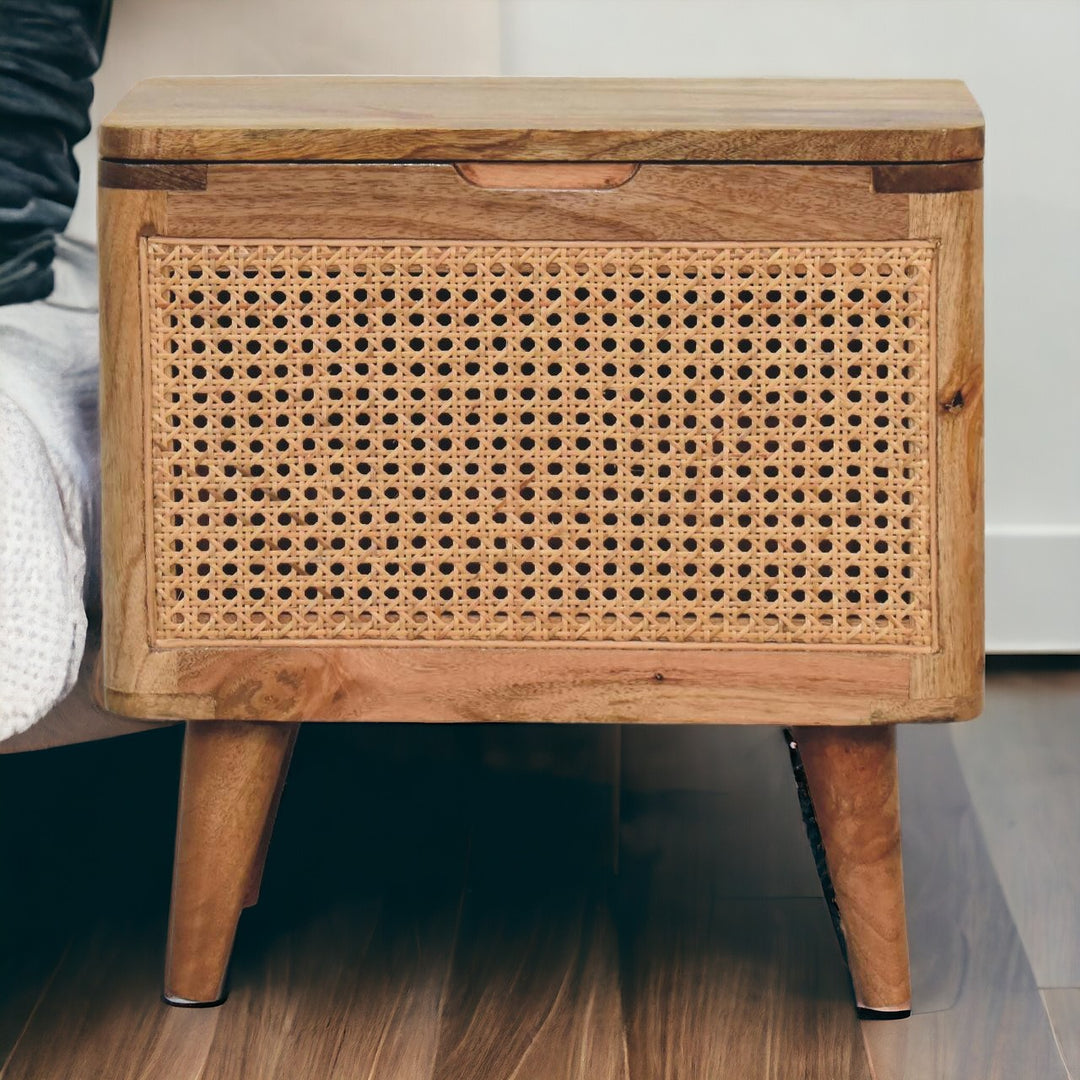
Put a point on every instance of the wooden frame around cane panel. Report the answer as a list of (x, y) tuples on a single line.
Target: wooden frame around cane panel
[(343, 680), (533, 171)]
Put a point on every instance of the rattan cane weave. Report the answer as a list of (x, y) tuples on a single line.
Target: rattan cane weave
[(445, 441)]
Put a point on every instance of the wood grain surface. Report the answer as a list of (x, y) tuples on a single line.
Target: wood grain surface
[(1063, 1006), (956, 668), (547, 175), (851, 775), (104, 1013), (1041, 881), (540, 683), (438, 904), (976, 1007), (537, 939), (725, 936), (335, 118), (752, 980), (230, 783), (928, 179), (659, 202), (151, 177), (123, 216), (84, 851), (340, 971)]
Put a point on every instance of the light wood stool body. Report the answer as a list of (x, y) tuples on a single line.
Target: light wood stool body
[(602, 400)]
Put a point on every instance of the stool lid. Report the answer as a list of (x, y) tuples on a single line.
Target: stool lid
[(345, 118)]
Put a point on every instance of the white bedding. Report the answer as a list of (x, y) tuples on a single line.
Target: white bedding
[(48, 487)]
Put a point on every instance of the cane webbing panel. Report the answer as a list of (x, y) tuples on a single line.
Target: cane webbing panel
[(420, 441)]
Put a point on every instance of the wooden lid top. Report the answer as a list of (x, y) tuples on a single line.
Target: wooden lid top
[(342, 118)]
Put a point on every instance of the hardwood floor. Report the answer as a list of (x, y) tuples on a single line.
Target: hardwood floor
[(1028, 789), (977, 1010), (1063, 1005), (439, 903)]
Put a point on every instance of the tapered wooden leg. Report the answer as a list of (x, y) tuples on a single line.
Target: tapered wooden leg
[(229, 783), (851, 774)]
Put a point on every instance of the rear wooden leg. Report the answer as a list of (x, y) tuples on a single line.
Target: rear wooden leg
[(229, 784), (851, 774)]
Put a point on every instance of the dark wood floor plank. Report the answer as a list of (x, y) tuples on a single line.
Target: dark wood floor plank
[(36, 850), (29, 957), (339, 972), (103, 1017), (977, 1010), (102, 827), (534, 988), (711, 956), (739, 989), (85, 831), (1021, 760), (355, 992), (716, 986), (1063, 1006), (534, 993), (756, 834)]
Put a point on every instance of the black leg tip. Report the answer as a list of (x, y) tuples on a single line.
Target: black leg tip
[(882, 1014)]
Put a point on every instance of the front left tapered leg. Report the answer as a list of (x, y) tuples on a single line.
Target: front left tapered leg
[(852, 777), (229, 782)]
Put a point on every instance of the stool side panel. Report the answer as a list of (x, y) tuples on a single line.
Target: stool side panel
[(124, 217), (955, 669)]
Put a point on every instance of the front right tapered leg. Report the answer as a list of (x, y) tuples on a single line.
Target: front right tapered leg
[(230, 776), (852, 777)]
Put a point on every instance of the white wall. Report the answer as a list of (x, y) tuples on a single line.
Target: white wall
[(1021, 58)]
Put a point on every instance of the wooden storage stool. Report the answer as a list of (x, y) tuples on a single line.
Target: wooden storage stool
[(614, 401)]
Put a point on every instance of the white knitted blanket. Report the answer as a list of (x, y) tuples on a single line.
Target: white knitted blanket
[(48, 487)]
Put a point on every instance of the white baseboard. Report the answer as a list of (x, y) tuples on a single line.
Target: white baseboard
[(1033, 589)]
